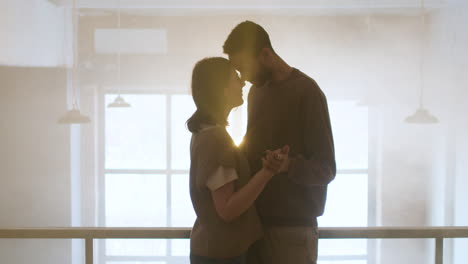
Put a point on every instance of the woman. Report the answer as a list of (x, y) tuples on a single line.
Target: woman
[(221, 187)]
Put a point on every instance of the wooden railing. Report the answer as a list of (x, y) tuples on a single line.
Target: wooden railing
[(91, 233)]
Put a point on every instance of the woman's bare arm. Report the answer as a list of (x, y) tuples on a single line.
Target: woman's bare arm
[(230, 204)]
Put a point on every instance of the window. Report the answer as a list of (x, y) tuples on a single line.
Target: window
[(347, 199), (145, 179)]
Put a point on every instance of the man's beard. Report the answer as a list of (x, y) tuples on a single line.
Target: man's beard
[(264, 74)]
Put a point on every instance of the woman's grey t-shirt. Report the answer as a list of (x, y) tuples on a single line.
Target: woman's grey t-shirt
[(211, 236)]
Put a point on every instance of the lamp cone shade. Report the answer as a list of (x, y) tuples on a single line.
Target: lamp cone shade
[(74, 116), (421, 116), (119, 102)]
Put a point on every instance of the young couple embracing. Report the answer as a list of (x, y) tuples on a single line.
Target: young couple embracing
[(257, 203)]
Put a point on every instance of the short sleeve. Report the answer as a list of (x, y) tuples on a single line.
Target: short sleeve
[(221, 176), (215, 149)]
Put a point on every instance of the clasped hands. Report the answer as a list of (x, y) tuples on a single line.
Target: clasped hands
[(277, 160)]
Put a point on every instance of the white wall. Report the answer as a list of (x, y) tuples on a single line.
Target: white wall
[(31, 33), (35, 162)]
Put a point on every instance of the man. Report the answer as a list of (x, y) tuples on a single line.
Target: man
[(285, 108)]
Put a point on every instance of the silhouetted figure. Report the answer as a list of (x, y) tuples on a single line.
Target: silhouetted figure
[(285, 107), (222, 188)]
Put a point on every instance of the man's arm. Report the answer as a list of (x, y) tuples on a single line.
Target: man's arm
[(317, 166)]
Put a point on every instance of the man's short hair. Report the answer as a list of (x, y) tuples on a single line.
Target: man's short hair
[(247, 36)]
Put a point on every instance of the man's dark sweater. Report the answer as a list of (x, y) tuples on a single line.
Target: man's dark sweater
[(291, 112)]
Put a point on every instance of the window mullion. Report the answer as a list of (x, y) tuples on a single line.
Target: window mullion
[(168, 167)]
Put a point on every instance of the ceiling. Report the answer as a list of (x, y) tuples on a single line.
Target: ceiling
[(310, 6)]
